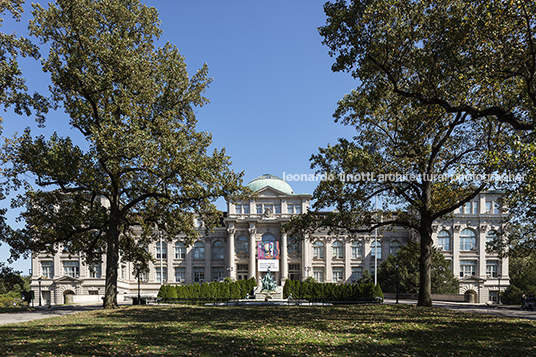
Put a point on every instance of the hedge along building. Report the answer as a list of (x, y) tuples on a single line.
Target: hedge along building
[(250, 240)]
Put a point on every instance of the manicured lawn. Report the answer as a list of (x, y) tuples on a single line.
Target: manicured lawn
[(361, 330)]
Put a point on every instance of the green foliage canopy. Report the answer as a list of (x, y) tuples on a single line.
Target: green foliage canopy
[(407, 273), (144, 171)]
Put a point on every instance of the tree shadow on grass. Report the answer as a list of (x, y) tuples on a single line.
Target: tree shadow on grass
[(271, 330)]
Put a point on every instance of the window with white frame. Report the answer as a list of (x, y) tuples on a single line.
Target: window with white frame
[(337, 249), (242, 208), (241, 245), (180, 250), (376, 249), (217, 273), (95, 271), (394, 246), (161, 250), (357, 273), (259, 208), (492, 268), (124, 272), (294, 208), (277, 209), (199, 250), (475, 207), (443, 240), (467, 240), (318, 274), (493, 207), (217, 250), (47, 269), (161, 274), (357, 250), (180, 274), (489, 205), (71, 268), (318, 250), (467, 268), (467, 207), (338, 274), (144, 276), (199, 274)]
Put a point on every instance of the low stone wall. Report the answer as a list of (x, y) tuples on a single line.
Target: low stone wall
[(436, 297)]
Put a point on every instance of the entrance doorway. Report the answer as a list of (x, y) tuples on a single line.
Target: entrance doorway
[(68, 297), (471, 296)]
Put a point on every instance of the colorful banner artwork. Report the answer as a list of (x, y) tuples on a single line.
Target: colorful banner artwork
[(268, 250)]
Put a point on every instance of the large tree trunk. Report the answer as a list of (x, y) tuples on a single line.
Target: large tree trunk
[(112, 263), (425, 263)]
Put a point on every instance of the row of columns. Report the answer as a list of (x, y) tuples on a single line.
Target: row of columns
[(252, 243)]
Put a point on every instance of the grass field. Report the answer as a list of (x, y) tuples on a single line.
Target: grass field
[(361, 330)]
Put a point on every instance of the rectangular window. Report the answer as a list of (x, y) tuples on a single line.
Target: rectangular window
[(180, 251), (242, 271), (238, 209), (467, 268), (337, 251), (297, 209), (245, 208), (199, 274), (294, 272), (277, 209), (475, 207), (489, 205), (217, 273), (357, 251), (95, 271), (290, 208), (259, 209), (357, 273), (376, 249), (93, 292), (71, 269), (180, 274), (318, 274), (494, 296), (161, 250), (318, 252), (467, 208), (47, 269), (161, 274), (492, 268), (338, 274), (123, 272), (496, 208)]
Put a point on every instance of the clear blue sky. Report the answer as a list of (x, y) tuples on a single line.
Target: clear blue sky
[(273, 93)]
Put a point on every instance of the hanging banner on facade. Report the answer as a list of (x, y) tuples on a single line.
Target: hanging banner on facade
[(268, 256)]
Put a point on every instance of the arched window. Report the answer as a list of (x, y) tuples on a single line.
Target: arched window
[(242, 245), (467, 239), (199, 250), (318, 250), (376, 249), (180, 250), (268, 238), (294, 245), (443, 240), (394, 246), (337, 249), (357, 250), (217, 250)]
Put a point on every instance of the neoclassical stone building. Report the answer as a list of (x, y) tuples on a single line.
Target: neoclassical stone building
[(250, 240)]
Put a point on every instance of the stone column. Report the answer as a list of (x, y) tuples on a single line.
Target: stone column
[(284, 258), (455, 245), (231, 252), (252, 248)]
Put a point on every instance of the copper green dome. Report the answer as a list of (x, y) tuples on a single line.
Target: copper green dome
[(272, 181)]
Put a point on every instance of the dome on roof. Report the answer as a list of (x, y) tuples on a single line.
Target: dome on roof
[(272, 181)]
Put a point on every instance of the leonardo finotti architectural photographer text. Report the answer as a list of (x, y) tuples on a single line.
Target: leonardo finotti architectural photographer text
[(397, 177)]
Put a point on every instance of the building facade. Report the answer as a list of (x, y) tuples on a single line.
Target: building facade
[(251, 239)]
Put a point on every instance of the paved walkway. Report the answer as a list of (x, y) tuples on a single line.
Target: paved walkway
[(44, 312), (499, 310)]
